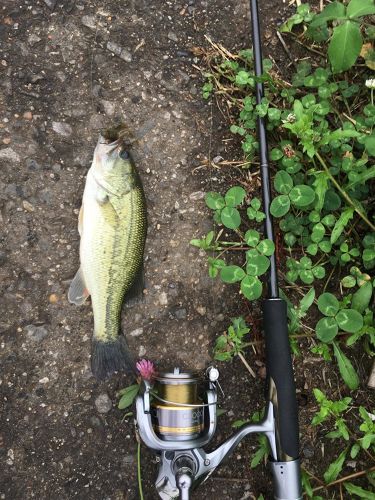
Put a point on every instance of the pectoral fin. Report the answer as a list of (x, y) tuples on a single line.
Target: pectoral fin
[(119, 204), (78, 292), (101, 196)]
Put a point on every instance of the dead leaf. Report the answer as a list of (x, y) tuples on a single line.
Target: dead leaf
[(368, 54), (366, 48)]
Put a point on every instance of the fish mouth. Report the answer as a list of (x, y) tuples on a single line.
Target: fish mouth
[(117, 135), (116, 140)]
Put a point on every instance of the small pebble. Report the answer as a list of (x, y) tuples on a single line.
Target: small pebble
[(89, 21), (201, 310), (308, 451), (137, 332), (28, 115), (103, 403), (28, 206), (9, 154), (114, 48), (183, 53), (128, 460), (32, 164), (163, 299), (33, 39), (10, 455), (62, 128), (50, 3), (197, 195), (167, 116), (172, 36), (53, 298), (36, 333), (119, 51), (36, 78), (180, 313), (217, 159), (95, 421), (109, 108)]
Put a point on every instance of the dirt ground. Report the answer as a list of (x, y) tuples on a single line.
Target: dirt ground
[(68, 69)]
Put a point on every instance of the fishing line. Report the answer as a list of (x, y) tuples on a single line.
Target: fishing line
[(175, 403), (212, 284), (92, 58)]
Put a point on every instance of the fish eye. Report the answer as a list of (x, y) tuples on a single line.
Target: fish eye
[(124, 155)]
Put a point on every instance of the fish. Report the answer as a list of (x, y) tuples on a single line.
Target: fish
[(112, 224)]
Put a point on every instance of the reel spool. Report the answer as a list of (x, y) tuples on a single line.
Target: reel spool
[(177, 413)]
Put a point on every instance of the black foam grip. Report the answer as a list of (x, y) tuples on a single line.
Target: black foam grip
[(279, 368)]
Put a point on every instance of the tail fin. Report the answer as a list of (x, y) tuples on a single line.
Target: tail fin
[(111, 356)]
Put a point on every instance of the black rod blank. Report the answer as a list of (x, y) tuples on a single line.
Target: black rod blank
[(273, 288)]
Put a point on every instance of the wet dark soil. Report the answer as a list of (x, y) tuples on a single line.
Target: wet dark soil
[(68, 69)]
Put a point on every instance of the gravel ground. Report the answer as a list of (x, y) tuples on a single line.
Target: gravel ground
[(68, 69)]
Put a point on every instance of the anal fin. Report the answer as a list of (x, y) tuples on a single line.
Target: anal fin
[(78, 292)]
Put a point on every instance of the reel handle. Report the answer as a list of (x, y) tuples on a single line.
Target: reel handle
[(282, 391)]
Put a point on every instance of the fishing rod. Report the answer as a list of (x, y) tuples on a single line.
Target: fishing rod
[(177, 422)]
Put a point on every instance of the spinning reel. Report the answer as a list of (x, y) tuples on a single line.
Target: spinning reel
[(175, 422)]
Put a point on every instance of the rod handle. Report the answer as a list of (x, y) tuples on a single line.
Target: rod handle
[(280, 373)]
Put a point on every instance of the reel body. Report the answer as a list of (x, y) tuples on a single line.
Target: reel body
[(177, 429)]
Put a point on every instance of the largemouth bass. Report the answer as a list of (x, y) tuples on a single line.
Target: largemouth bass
[(112, 225)]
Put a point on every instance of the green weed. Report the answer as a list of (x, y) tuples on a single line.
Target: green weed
[(321, 127)]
